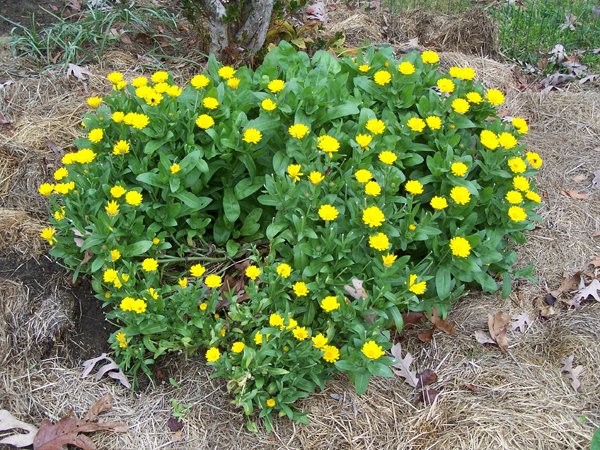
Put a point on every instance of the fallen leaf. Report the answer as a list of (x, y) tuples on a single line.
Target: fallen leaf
[(549, 299), (428, 396), (4, 120), (575, 195), (521, 322), (595, 261), (425, 336), (78, 72), (596, 233), (9, 422), (75, 5), (426, 378), (557, 54), (591, 290), (174, 424), (317, 12), (590, 77), (402, 367), (567, 284), (547, 311), (579, 178), (483, 337), (596, 180), (356, 291), (442, 324), (574, 373), (498, 324), (111, 369), (570, 22)]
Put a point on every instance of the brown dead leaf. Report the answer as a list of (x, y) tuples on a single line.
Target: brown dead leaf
[(575, 195), (442, 324), (574, 373), (591, 290), (410, 319), (595, 261), (498, 325), (425, 336), (567, 284), (102, 405), (402, 367), (579, 178), (317, 12), (4, 120), (356, 291), (521, 322), (81, 73), (428, 396), (174, 424), (596, 233), (426, 378), (483, 337), (110, 369), (570, 22)]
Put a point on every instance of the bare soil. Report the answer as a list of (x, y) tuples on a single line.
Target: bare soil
[(26, 12)]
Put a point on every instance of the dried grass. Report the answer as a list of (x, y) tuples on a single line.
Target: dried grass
[(19, 233)]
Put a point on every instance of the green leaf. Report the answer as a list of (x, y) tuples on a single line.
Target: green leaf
[(346, 366), (150, 178), (247, 187), (192, 200), (274, 229), (506, 285), (347, 109), (361, 382), (397, 317), (232, 248), (155, 144), (595, 445), (97, 264), (139, 248), (443, 282), (231, 207)]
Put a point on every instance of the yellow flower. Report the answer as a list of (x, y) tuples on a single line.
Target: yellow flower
[(268, 105), (445, 85), (293, 171), (364, 67), (149, 264), (460, 247), (114, 77), (153, 98), (406, 68), (275, 320), (387, 157), (414, 287), (60, 213), (46, 189), (330, 303), (459, 169), (156, 241), (210, 103), (183, 282), (416, 124), (464, 73), (213, 281), (174, 91), (139, 82), (363, 175), (203, 306), (152, 292), (371, 350), (331, 354), (61, 173), (507, 140), (517, 214), (388, 259), (319, 341), (252, 272), (375, 126), (460, 195), (238, 347), (94, 102), (521, 125), (205, 121), (413, 187), (300, 289), (48, 234), (139, 121), (379, 242), (159, 77), (429, 57), (133, 198), (258, 339), (328, 212), (271, 402), (534, 160), (226, 72), (117, 191), (84, 156), (373, 217), (283, 270), (533, 196), (300, 333), (96, 135), (517, 165), (200, 81), (252, 136), (120, 85), (233, 83), (382, 77), (120, 148), (143, 92), (110, 275), (298, 130), (372, 188), (121, 339), (514, 197), (434, 122), (213, 354), (112, 208), (474, 97), (328, 144), (489, 139), (438, 203), (412, 227), (276, 86), (174, 168), (521, 183), (460, 105), (316, 177), (364, 140), (117, 117), (495, 97)]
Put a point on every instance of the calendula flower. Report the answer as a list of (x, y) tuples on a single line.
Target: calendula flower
[(298, 130), (139, 121), (64, 188), (460, 195), (514, 197), (120, 148), (363, 140), (275, 320), (495, 97), (117, 117), (48, 234), (115, 77), (534, 160), (375, 126), (331, 354), (155, 241), (112, 208), (226, 72), (474, 97), (268, 105), (139, 82), (438, 203), (319, 341), (387, 157), (233, 83), (363, 176), (406, 68), (205, 121), (60, 173), (258, 338), (46, 189), (174, 168), (283, 270), (429, 57), (434, 122), (149, 264), (416, 124), (328, 144), (489, 139), (60, 213), (414, 287), (382, 77), (133, 198), (300, 289), (445, 85), (94, 102), (460, 247), (197, 270), (238, 347), (200, 81), (276, 86), (110, 275), (388, 259), (328, 212), (152, 292), (203, 306), (159, 77), (460, 105), (213, 354), (121, 339), (413, 187), (117, 191), (379, 242), (252, 272), (330, 303), (371, 350), (271, 403), (252, 136), (315, 177), (96, 135), (364, 68), (517, 165), (210, 103), (183, 282), (372, 188), (300, 333), (153, 98), (520, 124), (517, 214), (84, 156), (213, 281), (507, 140), (373, 217), (459, 169), (293, 171), (521, 183), (143, 92), (533, 196)]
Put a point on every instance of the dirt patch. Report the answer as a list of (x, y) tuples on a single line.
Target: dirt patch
[(23, 12)]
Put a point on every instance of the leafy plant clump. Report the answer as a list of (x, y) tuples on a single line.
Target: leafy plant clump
[(358, 189)]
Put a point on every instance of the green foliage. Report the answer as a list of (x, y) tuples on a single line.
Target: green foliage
[(595, 445), (380, 186)]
